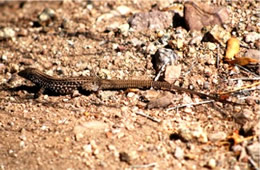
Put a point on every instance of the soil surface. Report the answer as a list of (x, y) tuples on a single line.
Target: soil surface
[(116, 129)]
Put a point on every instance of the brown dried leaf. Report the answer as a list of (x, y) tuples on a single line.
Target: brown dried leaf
[(232, 48), (237, 138), (243, 61)]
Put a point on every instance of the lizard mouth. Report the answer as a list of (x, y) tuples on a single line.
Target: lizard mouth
[(22, 73)]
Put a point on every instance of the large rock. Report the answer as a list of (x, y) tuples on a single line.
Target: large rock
[(151, 20), (198, 15)]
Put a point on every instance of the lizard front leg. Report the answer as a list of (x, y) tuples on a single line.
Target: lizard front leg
[(39, 92)]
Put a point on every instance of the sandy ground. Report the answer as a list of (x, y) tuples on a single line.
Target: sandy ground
[(105, 129)]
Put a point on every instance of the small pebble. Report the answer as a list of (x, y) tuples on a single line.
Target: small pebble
[(87, 148), (130, 94), (192, 50), (44, 127), (4, 57), (252, 53), (124, 157), (124, 28), (96, 153), (46, 15), (253, 151), (14, 68), (257, 44), (244, 116), (188, 110), (172, 73), (196, 40), (212, 163), (164, 56), (136, 42), (164, 39), (211, 46), (111, 147), (185, 134), (123, 10), (160, 33), (7, 33), (160, 101), (210, 60), (208, 72), (22, 144), (252, 37), (218, 136), (179, 153)]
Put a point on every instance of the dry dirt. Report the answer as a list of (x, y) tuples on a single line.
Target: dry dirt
[(105, 129)]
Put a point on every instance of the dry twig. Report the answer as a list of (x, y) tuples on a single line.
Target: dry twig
[(148, 117), (189, 105)]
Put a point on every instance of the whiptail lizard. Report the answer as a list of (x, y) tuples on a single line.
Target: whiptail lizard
[(87, 83)]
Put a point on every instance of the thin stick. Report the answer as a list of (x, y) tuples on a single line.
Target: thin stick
[(190, 104), (217, 59), (246, 79), (253, 163), (145, 166), (243, 68), (160, 72), (148, 117), (247, 90), (241, 88)]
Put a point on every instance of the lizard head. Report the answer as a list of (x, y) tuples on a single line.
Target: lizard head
[(27, 73)]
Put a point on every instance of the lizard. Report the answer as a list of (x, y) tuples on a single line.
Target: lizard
[(68, 85)]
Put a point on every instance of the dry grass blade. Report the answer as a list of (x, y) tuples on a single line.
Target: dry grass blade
[(240, 88)]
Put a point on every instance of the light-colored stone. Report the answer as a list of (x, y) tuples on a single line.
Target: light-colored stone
[(164, 56), (254, 151), (46, 15), (179, 153), (211, 46), (198, 15), (7, 33), (212, 163), (151, 20), (88, 128), (252, 37), (218, 136), (172, 73)]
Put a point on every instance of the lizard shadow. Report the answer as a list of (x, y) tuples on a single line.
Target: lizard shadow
[(35, 89), (29, 89)]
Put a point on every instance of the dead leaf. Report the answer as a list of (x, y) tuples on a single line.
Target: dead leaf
[(243, 61), (232, 48), (237, 138), (176, 8), (224, 97)]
